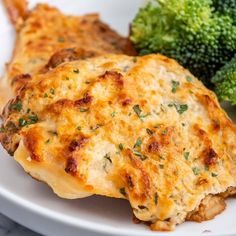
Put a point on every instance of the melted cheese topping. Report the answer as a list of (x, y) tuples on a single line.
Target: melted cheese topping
[(140, 128)]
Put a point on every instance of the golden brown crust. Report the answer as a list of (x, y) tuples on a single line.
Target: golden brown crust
[(210, 207), (48, 38), (112, 126)]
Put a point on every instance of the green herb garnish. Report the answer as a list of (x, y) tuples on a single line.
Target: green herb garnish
[(84, 109), (149, 132), (196, 170), (78, 128), (138, 143), (186, 155), (22, 122), (161, 166), (189, 78), (138, 112), (164, 132), (16, 106), (121, 146), (175, 85), (113, 114), (2, 129), (33, 119), (138, 154), (181, 108)]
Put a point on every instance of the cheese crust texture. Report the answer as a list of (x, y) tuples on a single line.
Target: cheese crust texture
[(139, 128), (46, 37)]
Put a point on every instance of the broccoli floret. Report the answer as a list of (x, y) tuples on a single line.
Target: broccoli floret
[(200, 34), (225, 82)]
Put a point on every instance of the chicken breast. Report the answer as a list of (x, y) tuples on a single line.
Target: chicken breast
[(139, 128), (45, 36)]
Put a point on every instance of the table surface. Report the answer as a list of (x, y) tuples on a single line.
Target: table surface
[(10, 228)]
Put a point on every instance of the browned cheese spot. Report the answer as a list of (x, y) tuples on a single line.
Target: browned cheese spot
[(71, 166)]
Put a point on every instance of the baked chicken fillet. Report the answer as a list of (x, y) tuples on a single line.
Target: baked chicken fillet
[(46, 37), (139, 128)]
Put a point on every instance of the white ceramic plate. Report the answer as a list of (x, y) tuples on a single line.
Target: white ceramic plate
[(34, 205)]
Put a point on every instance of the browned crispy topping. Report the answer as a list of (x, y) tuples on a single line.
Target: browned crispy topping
[(21, 78), (85, 100), (216, 125), (154, 147), (129, 180), (210, 157), (77, 144), (69, 54), (114, 75), (202, 181), (127, 101), (71, 166)]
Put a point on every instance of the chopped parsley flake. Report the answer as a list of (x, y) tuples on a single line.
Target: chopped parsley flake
[(138, 112), (2, 130), (79, 128), (214, 174), (181, 108), (138, 154), (186, 155), (31, 120), (52, 91), (149, 132), (16, 106), (135, 59), (155, 198), (138, 143), (161, 166), (164, 132), (175, 85), (22, 122), (123, 192), (76, 71), (45, 95), (107, 157), (83, 109), (121, 146), (189, 78), (113, 114), (196, 170)]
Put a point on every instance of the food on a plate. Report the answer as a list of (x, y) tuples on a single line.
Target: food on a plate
[(225, 82), (45, 33), (139, 128), (199, 34)]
